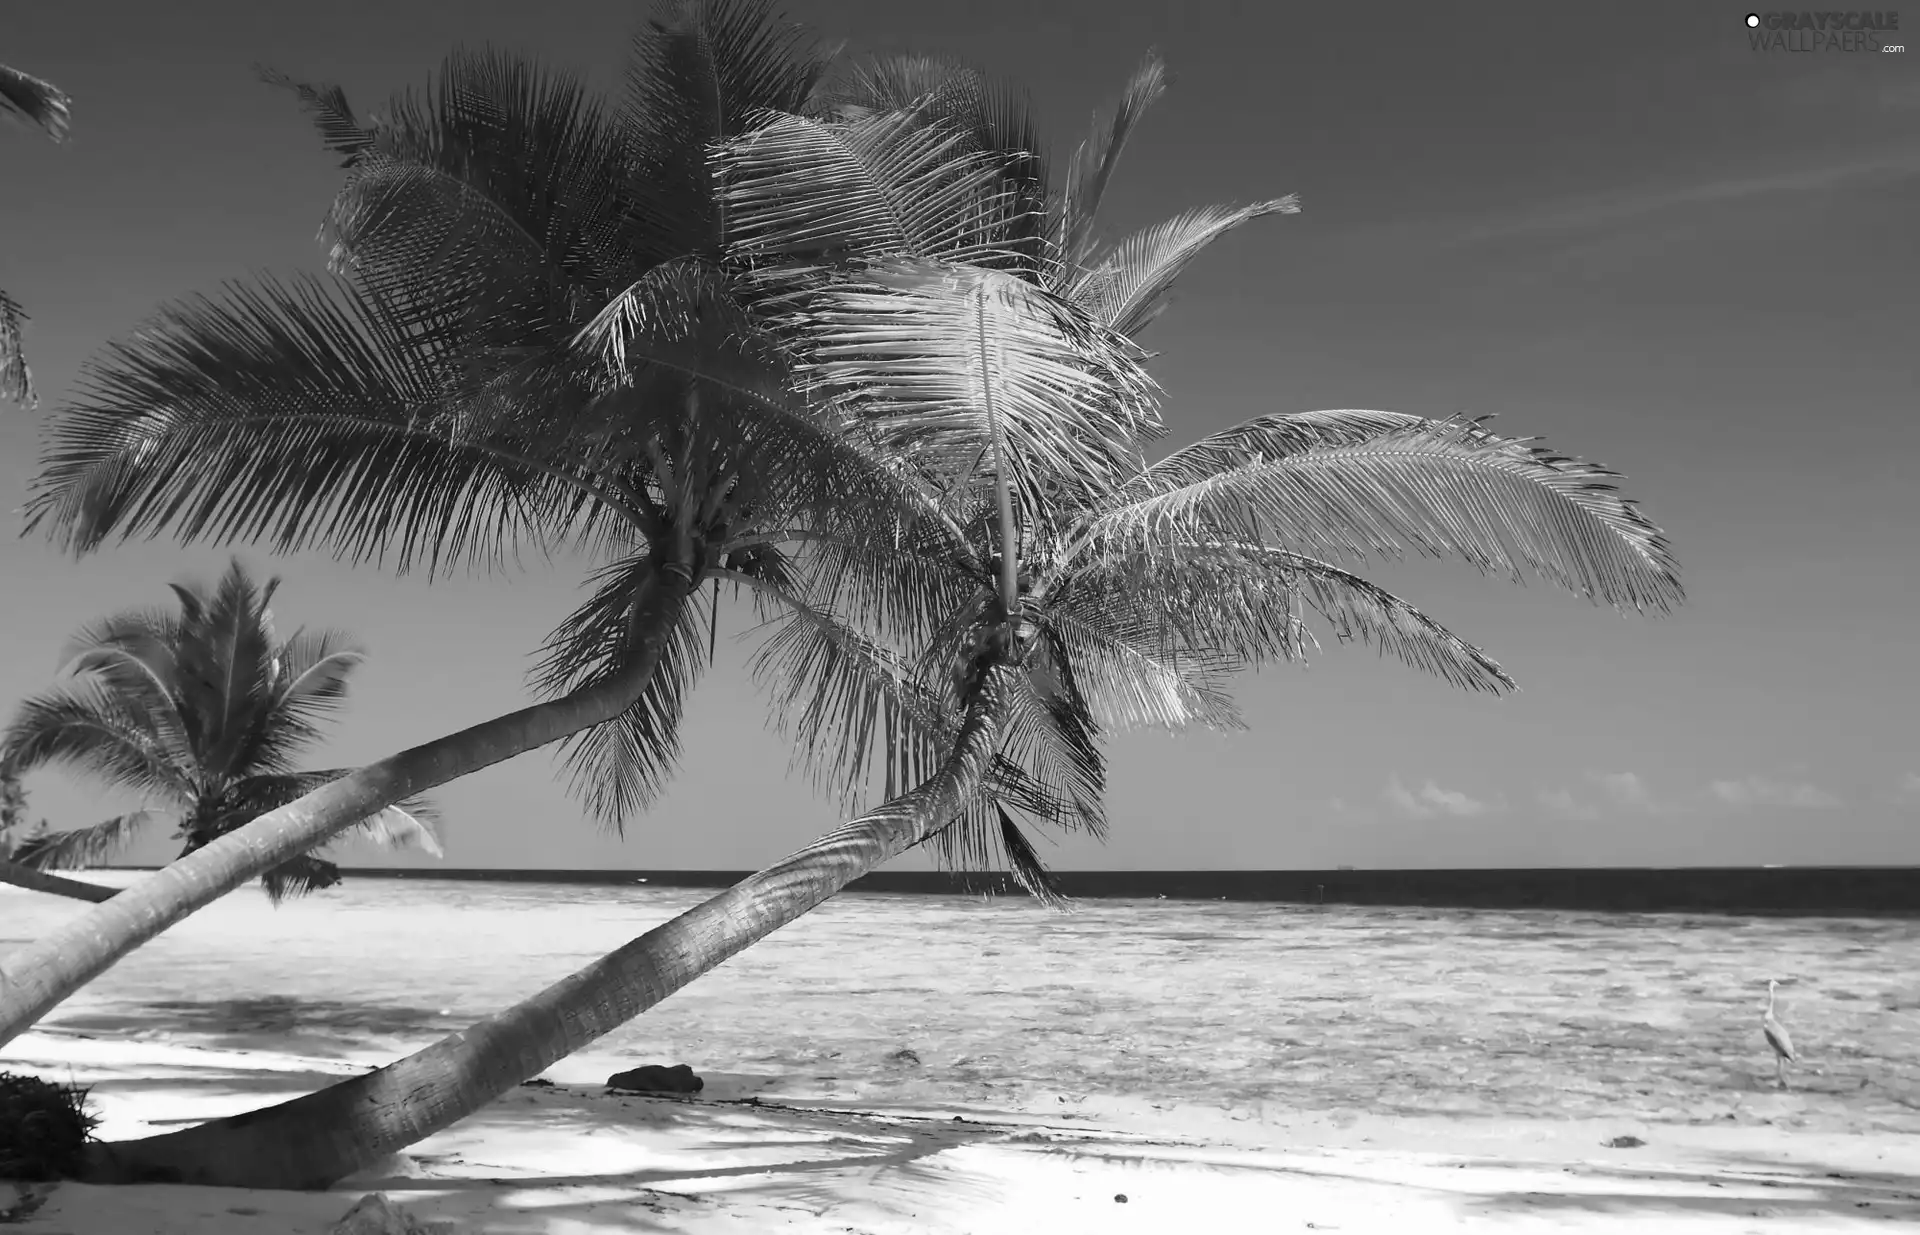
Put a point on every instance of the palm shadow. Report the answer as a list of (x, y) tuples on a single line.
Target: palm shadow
[(1805, 1190)]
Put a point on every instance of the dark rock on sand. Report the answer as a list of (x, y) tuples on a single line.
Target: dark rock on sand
[(653, 1078), (1624, 1142), (905, 1057), (538, 1082)]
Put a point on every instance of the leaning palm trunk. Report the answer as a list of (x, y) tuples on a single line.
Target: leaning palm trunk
[(37, 977), (39, 881), (314, 1141)]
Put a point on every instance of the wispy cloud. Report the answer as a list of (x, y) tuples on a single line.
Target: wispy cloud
[(1907, 792), (1562, 803), (1760, 791), (1626, 790), (1430, 801), (1599, 212)]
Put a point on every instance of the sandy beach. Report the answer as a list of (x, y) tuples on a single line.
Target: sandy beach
[(572, 1158)]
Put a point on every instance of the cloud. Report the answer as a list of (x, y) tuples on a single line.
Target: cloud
[(1759, 791), (1562, 803), (1907, 793), (1431, 800), (1625, 789), (1595, 213)]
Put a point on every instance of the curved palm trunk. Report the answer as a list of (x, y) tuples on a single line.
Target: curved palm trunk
[(314, 1141), (37, 977), (40, 881)]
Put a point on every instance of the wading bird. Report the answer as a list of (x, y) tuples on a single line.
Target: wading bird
[(1777, 1037)]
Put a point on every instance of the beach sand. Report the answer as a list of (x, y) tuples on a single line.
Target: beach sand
[(747, 1157)]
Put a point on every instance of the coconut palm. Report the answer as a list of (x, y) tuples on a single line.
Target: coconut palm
[(203, 713), (1078, 600), (43, 106), (432, 402)]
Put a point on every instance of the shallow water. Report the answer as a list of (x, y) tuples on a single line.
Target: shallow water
[(1398, 1011)]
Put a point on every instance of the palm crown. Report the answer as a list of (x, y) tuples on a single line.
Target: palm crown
[(933, 279), (204, 712)]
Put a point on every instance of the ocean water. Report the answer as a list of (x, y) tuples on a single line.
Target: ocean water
[(1243, 1005)]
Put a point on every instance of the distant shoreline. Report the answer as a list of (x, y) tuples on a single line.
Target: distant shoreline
[(1795, 891)]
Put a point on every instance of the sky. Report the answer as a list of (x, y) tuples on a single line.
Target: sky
[(1620, 228)]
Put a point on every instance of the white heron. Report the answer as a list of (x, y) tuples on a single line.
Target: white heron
[(1777, 1037)]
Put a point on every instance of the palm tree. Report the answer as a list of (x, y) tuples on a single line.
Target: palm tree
[(43, 106), (435, 401), (203, 713), (1078, 601)]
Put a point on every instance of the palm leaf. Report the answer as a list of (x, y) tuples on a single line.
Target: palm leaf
[(82, 847), (1127, 665), (1354, 483), (395, 828), (1127, 288), (886, 185), (994, 116), (487, 208), (619, 767), (844, 701), (985, 837), (84, 725), (296, 412), (701, 73), (410, 822), (32, 101), (340, 130), (16, 379), (1247, 603), (938, 361), (299, 876), (1093, 163)]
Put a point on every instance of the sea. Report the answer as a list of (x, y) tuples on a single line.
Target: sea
[(1549, 1013)]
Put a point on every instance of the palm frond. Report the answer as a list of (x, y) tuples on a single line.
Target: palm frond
[(488, 207), (82, 847), (341, 132), (844, 700), (16, 378), (620, 767), (32, 101), (291, 411), (995, 118), (1052, 738), (224, 658), (1358, 483), (939, 361), (701, 73), (985, 838), (395, 828), (84, 725), (1094, 161), (410, 822), (299, 876), (886, 185), (305, 683), (1128, 665), (1127, 287), (1249, 602)]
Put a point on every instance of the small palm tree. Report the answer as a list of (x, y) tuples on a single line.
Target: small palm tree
[(43, 106), (203, 712), (1071, 593)]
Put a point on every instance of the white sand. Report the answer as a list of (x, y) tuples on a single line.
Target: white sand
[(572, 1159)]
